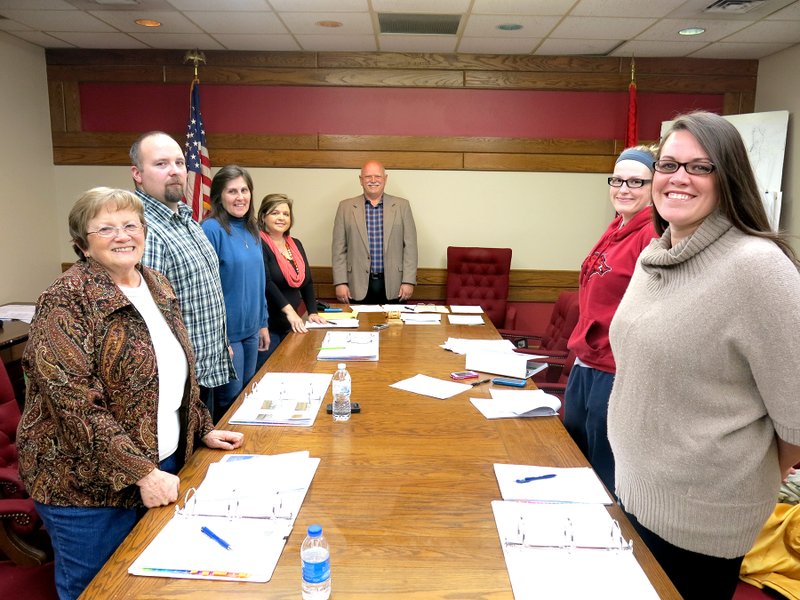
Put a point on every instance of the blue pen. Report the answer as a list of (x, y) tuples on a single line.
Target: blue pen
[(535, 478), (333, 310), (216, 538)]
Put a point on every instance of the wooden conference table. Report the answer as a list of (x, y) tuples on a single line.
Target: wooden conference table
[(403, 490)]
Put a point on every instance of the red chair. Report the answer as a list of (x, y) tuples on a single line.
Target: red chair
[(479, 276), (19, 522), (553, 341)]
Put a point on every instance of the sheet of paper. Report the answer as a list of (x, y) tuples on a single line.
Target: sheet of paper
[(571, 484), (283, 399), (366, 308), (421, 318), (430, 308), (347, 346), (20, 312), (467, 309), (465, 319), (333, 324), (509, 404), (430, 386), (464, 345), (338, 316)]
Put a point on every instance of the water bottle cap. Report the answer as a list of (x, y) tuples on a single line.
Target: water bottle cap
[(341, 366), (314, 531)]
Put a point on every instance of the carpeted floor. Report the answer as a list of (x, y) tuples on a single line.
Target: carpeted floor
[(31, 583)]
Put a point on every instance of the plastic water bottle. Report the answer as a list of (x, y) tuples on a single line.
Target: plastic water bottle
[(316, 558), (342, 386)]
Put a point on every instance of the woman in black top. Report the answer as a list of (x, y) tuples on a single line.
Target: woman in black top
[(289, 284)]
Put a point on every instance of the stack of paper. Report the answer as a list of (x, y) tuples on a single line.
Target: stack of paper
[(283, 399), (421, 318), (550, 484), (334, 324), (465, 319), (235, 525), (509, 404), (430, 386), (349, 346), (460, 308), (464, 345)]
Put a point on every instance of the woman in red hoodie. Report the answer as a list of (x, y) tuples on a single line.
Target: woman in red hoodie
[(605, 274)]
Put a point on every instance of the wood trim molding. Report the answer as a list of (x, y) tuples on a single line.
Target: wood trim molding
[(67, 69)]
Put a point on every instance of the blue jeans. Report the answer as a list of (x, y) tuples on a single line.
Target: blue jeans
[(245, 353), (84, 538), (586, 418), (274, 340)]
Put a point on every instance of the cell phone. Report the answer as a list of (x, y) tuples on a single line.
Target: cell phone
[(355, 407), (380, 326), (463, 375), (512, 381)]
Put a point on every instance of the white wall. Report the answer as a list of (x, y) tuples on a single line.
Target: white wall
[(549, 219), (779, 89), (29, 253)]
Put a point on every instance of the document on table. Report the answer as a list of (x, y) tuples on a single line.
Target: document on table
[(283, 399), (461, 308), (546, 545), (550, 484), (509, 404), (235, 525), (350, 346), (414, 318), (465, 319), (18, 312), (367, 308), (333, 324), (430, 308), (464, 345), (430, 386)]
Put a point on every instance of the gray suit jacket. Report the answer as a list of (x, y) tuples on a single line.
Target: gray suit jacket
[(350, 247)]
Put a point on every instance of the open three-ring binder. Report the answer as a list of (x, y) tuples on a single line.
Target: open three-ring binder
[(234, 526), (568, 551)]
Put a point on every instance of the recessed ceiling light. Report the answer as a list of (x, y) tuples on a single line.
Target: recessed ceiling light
[(329, 23), (692, 31), (148, 22), (509, 27)]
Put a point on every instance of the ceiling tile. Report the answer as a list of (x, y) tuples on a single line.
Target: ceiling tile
[(171, 41), (439, 7), (629, 8), (667, 30), (601, 28), (486, 25), (124, 20), (559, 47), (790, 12), (42, 39), (768, 31), (488, 45), (262, 43), (657, 49), (328, 43), (319, 5), (58, 20), (238, 23), (515, 7), (304, 23), (417, 43), (215, 5), (36, 4), (742, 51), (121, 41)]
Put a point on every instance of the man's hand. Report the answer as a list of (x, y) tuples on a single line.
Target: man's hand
[(406, 291), (343, 293), (158, 488)]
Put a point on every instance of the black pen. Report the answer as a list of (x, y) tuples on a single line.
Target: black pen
[(480, 382)]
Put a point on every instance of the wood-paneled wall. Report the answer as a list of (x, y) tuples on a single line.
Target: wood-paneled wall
[(735, 80)]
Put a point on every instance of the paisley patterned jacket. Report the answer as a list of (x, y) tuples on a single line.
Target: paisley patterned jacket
[(89, 429)]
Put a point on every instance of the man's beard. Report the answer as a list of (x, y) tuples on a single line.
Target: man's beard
[(173, 193)]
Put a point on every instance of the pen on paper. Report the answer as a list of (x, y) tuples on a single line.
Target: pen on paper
[(216, 538), (535, 478)]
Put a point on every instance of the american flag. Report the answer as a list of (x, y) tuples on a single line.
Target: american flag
[(632, 129), (198, 164)]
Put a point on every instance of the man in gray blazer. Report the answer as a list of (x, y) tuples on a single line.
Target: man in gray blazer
[(374, 249)]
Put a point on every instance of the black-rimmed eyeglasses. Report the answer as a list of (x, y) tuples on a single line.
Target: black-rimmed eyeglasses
[(695, 167), (108, 231), (632, 183)]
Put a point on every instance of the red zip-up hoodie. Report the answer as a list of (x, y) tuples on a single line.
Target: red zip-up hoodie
[(605, 274)]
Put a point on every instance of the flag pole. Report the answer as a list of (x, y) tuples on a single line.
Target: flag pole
[(631, 133), (198, 163)]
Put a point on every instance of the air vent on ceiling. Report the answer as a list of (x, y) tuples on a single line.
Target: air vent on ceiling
[(419, 24), (733, 6)]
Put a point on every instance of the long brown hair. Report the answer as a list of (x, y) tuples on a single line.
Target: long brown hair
[(218, 212), (739, 198)]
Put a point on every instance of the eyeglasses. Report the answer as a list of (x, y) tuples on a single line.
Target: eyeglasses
[(632, 183), (694, 167), (108, 231)]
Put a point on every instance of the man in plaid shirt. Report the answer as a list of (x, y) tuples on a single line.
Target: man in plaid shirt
[(177, 246)]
